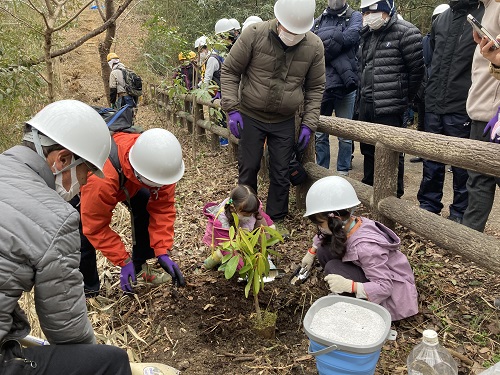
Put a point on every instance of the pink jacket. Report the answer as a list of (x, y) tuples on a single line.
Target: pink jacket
[(217, 223)]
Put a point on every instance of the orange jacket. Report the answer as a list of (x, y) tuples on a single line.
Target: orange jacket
[(100, 196)]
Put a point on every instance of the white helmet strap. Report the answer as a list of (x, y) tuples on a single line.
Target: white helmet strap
[(38, 144)]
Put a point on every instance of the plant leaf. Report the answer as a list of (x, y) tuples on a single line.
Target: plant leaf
[(231, 267)]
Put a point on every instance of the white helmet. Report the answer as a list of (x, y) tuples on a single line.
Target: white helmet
[(223, 26), (200, 42), (157, 156), (235, 23), (78, 128), (440, 9), (297, 16), (367, 3), (329, 194), (250, 21)]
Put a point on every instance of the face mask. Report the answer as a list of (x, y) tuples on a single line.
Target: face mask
[(335, 4), (203, 56), (145, 181), (290, 39), (374, 20), (74, 189)]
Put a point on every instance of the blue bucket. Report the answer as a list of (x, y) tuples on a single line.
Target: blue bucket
[(335, 358)]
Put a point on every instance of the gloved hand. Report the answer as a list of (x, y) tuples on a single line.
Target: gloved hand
[(493, 128), (216, 96), (308, 260), (127, 277), (172, 268), (235, 123), (339, 284), (304, 136)]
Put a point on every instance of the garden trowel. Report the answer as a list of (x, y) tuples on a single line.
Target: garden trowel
[(300, 275)]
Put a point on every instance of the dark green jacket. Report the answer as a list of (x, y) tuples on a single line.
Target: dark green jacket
[(275, 80)]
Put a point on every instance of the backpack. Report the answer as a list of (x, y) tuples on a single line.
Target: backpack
[(133, 82)]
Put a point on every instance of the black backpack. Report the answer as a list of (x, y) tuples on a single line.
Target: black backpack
[(133, 82)]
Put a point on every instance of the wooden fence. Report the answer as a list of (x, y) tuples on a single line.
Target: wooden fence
[(381, 198)]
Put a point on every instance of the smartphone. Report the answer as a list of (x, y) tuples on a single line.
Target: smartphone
[(478, 28)]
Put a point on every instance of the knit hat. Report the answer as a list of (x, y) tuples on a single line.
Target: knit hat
[(381, 6)]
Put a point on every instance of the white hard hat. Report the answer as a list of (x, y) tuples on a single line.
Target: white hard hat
[(297, 16), (78, 128), (440, 9), (157, 155), (367, 3), (223, 26), (234, 22), (200, 42), (329, 194), (250, 21)]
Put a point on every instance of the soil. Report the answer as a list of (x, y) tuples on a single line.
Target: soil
[(205, 328)]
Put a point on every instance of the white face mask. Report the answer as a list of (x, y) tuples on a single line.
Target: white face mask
[(373, 20), (290, 39), (203, 56), (74, 189)]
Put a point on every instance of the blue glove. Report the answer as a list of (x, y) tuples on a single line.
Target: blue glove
[(491, 128), (235, 123), (172, 269), (304, 136), (127, 277)]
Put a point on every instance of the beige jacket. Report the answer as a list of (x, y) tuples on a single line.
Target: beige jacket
[(274, 81), (116, 79), (484, 93)]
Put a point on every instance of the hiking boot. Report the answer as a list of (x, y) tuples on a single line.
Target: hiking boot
[(456, 219), (280, 227), (152, 275)]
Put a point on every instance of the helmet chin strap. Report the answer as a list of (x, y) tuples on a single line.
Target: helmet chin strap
[(38, 144)]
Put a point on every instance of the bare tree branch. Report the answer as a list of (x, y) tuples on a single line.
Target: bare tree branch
[(24, 22), (74, 17), (100, 10), (34, 7)]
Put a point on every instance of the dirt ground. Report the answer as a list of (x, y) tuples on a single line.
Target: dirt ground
[(205, 327)]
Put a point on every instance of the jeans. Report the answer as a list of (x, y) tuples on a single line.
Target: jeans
[(430, 193), (344, 108), (280, 141), (481, 188)]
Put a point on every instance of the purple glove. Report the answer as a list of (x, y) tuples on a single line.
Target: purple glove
[(216, 96), (235, 123), (127, 277), (304, 136), (492, 128), (172, 268)]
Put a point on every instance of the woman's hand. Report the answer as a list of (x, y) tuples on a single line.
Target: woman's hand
[(487, 49)]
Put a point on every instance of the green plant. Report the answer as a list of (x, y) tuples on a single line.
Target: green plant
[(252, 247)]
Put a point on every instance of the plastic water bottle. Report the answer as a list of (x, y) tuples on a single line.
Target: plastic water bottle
[(430, 358)]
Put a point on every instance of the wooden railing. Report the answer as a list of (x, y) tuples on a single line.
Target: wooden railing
[(381, 198)]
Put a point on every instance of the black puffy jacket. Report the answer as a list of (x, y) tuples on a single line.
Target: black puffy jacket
[(453, 48), (398, 65)]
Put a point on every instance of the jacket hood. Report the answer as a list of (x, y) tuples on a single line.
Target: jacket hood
[(373, 231), (29, 157)]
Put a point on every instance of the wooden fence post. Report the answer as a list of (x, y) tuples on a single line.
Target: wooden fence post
[(384, 180)]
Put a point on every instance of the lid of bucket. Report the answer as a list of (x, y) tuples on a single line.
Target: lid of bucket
[(353, 348)]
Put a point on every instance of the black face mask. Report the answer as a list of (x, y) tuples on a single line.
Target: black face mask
[(462, 4)]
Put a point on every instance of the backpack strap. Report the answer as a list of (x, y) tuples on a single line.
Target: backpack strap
[(115, 161), (116, 115)]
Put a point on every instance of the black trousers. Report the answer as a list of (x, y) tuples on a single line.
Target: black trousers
[(141, 251), (78, 359), (367, 113), (280, 140)]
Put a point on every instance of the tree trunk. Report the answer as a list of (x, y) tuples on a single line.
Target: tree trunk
[(48, 64), (257, 307), (105, 47)]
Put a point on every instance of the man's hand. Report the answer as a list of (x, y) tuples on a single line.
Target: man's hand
[(304, 136), (339, 284), (127, 277), (235, 123), (172, 268)]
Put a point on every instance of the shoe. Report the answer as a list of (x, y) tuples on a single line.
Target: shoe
[(350, 164), (280, 227), (454, 218), (343, 173), (449, 170), (152, 275), (416, 159), (223, 142)]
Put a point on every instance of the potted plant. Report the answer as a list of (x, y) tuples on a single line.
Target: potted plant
[(250, 249)]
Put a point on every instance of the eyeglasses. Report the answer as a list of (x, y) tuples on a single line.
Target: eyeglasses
[(92, 168)]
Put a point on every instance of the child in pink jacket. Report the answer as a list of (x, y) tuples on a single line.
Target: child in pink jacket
[(243, 202)]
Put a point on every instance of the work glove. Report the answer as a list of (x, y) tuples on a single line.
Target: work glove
[(127, 277), (493, 128), (304, 136), (308, 260), (339, 284), (172, 269), (216, 96), (235, 123)]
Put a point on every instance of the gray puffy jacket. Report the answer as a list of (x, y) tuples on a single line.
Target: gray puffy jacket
[(40, 248)]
